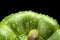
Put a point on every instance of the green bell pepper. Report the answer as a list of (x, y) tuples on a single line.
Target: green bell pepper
[(29, 25)]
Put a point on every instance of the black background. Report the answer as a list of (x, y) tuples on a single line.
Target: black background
[(48, 7)]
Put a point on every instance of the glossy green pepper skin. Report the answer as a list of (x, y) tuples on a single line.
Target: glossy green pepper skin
[(19, 25)]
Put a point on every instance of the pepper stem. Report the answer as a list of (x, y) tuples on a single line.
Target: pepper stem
[(33, 35)]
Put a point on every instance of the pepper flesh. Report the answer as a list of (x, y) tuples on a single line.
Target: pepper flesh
[(22, 22)]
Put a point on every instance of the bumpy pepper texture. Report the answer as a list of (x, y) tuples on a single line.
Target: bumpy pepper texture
[(20, 26)]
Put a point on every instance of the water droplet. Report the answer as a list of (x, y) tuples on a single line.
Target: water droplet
[(11, 14), (13, 25), (23, 36), (49, 31), (16, 23), (6, 22), (18, 29), (34, 19), (43, 15), (27, 24), (30, 21), (45, 35)]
